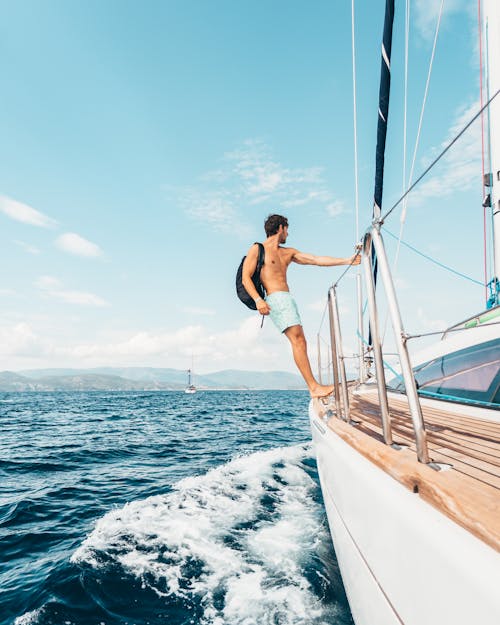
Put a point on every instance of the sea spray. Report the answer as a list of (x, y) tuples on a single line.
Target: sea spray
[(232, 544)]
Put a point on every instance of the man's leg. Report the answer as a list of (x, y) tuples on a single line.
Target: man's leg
[(295, 335)]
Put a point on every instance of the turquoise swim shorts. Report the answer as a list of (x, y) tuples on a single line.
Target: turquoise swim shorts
[(284, 312)]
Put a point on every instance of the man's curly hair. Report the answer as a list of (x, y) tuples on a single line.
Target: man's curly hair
[(273, 223)]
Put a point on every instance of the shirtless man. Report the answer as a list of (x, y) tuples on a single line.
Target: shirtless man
[(279, 304)]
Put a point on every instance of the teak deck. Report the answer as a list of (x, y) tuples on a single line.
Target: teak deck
[(468, 492)]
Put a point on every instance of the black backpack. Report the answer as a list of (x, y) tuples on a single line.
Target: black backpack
[(240, 289)]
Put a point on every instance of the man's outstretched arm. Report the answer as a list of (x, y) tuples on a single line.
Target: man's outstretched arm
[(324, 261)]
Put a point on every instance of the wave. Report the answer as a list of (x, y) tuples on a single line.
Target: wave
[(238, 545)]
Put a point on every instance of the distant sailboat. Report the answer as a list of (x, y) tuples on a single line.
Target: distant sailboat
[(190, 388)]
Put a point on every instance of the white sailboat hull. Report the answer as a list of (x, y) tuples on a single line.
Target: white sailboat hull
[(401, 560)]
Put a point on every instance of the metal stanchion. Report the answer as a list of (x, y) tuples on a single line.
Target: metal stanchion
[(333, 342), (399, 334), (361, 347), (340, 354), (319, 360), (375, 336)]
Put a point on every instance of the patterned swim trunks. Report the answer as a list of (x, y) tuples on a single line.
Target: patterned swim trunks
[(284, 312)]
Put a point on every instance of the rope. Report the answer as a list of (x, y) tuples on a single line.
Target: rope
[(433, 260), (438, 158)]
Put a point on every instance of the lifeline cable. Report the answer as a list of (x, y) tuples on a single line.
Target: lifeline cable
[(433, 260)]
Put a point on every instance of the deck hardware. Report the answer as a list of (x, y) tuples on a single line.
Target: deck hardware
[(440, 466), (320, 380), (334, 310), (319, 427), (404, 357), (335, 364), (376, 343), (362, 365)]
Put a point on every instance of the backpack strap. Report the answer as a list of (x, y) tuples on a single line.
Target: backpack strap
[(260, 259), (260, 263)]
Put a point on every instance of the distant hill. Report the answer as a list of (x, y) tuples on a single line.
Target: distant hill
[(144, 378)]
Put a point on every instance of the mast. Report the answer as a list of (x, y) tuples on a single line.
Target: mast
[(383, 107), (491, 13), (383, 114)]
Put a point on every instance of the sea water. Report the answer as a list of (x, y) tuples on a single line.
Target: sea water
[(161, 507)]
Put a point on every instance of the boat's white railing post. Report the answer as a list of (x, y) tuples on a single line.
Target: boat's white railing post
[(375, 336), (335, 364), (362, 372), (319, 360), (401, 344), (340, 351)]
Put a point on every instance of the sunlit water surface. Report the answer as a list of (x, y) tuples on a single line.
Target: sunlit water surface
[(149, 508)]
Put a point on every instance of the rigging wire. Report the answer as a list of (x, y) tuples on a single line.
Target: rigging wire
[(346, 269), (405, 106), (383, 218), (323, 316), (409, 189), (433, 260), (422, 110), (481, 90), (356, 186), (418, 336), (405, 133), (417, 141), (438, 158)]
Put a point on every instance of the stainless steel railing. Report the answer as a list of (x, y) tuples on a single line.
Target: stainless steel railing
[(374, 238)]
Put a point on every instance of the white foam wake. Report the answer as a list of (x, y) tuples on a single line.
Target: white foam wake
[(246, 529)]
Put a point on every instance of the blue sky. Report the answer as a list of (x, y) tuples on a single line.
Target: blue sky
[(144, 144)]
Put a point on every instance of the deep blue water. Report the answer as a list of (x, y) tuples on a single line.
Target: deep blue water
[(149, 508)]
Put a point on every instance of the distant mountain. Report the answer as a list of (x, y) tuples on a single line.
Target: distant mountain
[(143, 378)]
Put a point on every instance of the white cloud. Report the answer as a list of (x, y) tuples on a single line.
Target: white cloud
[(52, 287), (24, 213), (261, 178), (458, 169), (213, 207), (48, 283), (31, 249), (20, 340), (428, 324), (319, 305), (75, 244), (427, 12), (195, 310), (247, 346), (250, 176), (181, 343), (335, 208)]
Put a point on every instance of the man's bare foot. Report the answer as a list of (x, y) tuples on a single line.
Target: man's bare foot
[(321, 391)]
